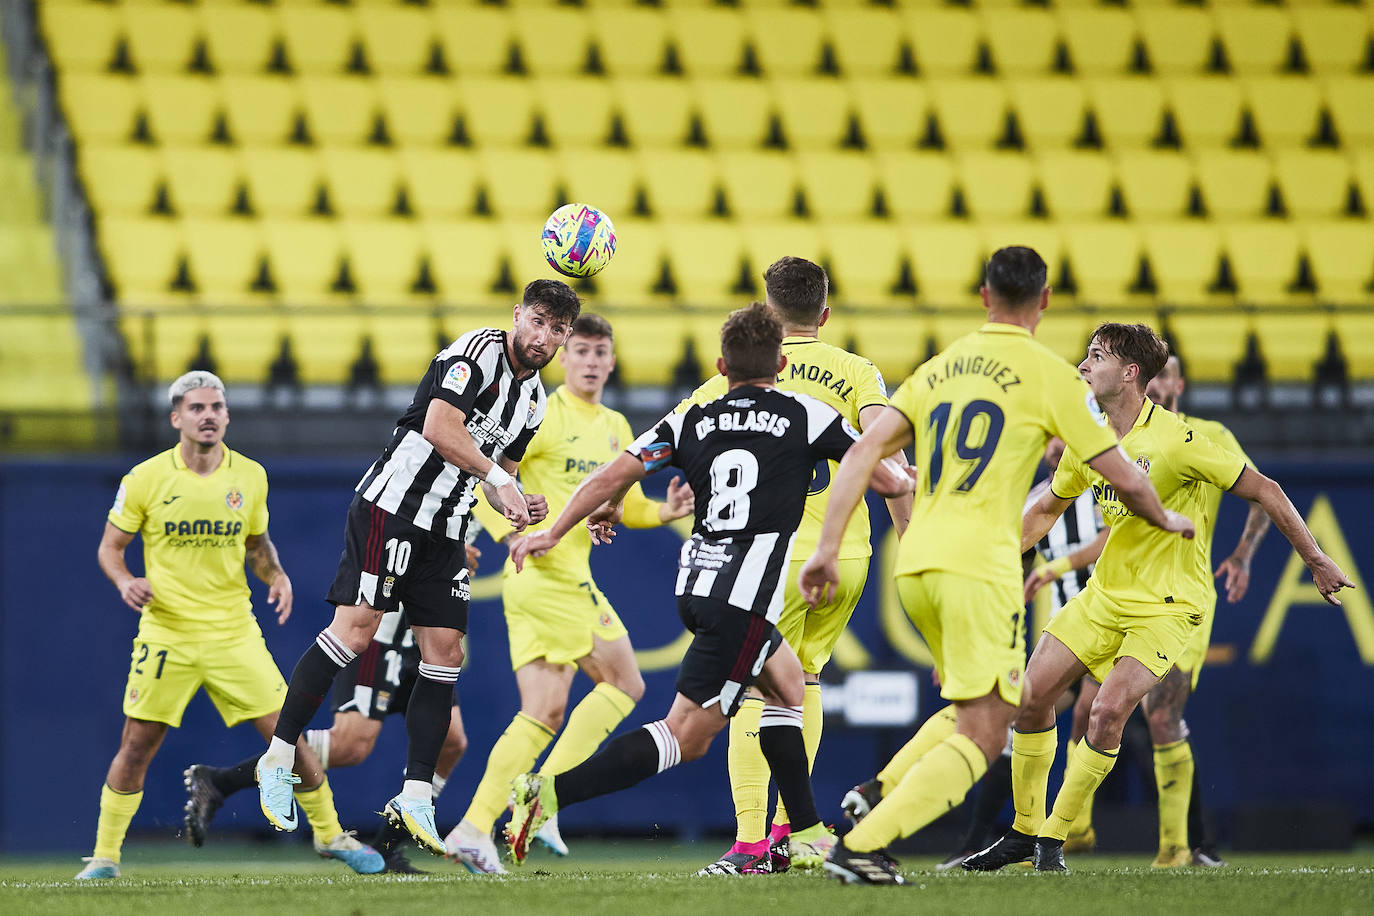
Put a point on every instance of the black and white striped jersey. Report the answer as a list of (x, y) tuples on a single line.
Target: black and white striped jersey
[(749, 456), (474, 373), (1076, 528)]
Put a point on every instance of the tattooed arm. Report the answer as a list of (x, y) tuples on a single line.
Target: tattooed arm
[(266, 565)]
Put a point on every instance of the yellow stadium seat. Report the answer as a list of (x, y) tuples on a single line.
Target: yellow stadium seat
[(1155, 183), (838, 185), (519, 183), (638, 261), (223, 256), (681, 183), (945, 40), (1129, 109), (28, 263), (523, 252), (1210, 342), (608, 179), (867, 39), (1256, 37), (362, 181), (631, 39), (1049, 111), (865, 260), (1264, 259), (895, 340), (815, 112), (262, 109), (892, 112), (476, 38), (175, 339), (120, 180), (20, 204), (735, 112), (1334, 38), (788, 39), (282, 181), (649, 343), (1100, 39), (441, 182), (654, 111), (161, 38), (1177, 39), (463, 255), (706, 259), (326, 344), (1104, 257), (1342, 258), (1352, 106), (203, 180), (1066, 331), (497, 111), (1077, 184), (244, 344), (1184, 258), (383, 259), (80, 36), (948, 327), (553, 39), (1235, 183), (576, 110), (972, 112), (1022, 39), (948, 260), (1285, 108), (1207, 109), (996, 185), (766, 241), (1364, 173), (419, 110), (182, 110), (1357, 342), (239, 37), (141, 256), (339, 109), (709, 41), (305, 257), (916, 186), (759, 185), (397, 39), (1313, 182), (1292, 343), (99, 108), (319, 38), (403, 344)]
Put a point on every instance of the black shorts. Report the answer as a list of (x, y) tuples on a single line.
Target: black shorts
[(387, 560), (378, 682), (729, 647)]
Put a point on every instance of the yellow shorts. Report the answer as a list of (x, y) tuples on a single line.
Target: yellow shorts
[(1195, 653), (975, 630), (1099, 631), (555, 620), (812, 634), (239, 674)]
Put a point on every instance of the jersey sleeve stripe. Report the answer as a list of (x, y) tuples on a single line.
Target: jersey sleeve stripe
[(1100, 454)]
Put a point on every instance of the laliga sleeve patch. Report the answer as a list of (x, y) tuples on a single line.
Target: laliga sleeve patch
[(457, 377), (1096, 411), (849, 429), (118, 507)]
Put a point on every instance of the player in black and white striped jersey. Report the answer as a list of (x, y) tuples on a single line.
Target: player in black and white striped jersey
[(474, 412)]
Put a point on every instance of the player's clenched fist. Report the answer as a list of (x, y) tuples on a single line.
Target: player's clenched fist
[(819, 577), (534, 545), (136, 593)]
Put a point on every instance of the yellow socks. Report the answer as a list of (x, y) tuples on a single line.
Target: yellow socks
[(590, 722), (1032, 754), (514, 753), (117, 809), (1174, 778), (935, 730), (749, 772), (813, 721), (938, 782), (1087, 767), (318, 805), (1084, 822)]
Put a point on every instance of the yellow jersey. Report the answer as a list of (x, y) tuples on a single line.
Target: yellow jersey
[(193, 531), (1142, 564), (1222, 437), (981, 413), (575, 439), (846, 382)]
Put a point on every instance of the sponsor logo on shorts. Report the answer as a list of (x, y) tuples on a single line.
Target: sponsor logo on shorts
[(460, 588), (234, 499), (383, 700), (1013, 677), (133, 695), (605, 618), (387, 583)]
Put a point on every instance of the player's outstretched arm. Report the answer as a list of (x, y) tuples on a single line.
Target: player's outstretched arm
[(262, 558), (898, 507), (1040, 514), (1257, 488), (1134, 489), (135, 590), (446, 430), (1081, 558), (1236, 567), (609, 482)]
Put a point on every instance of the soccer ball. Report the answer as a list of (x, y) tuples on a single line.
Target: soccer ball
[(578, 240)]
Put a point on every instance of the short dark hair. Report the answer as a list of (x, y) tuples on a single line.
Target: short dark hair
[(1134, 343), (591, 325), (553, 296), (751, 342), (797, 289), (1016, 275)]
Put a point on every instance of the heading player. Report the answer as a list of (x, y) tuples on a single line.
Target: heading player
[(1146, 598), (473, 415), (980, 414), (729, 581)]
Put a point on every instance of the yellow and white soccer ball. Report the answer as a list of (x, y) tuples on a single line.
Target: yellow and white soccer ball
[(578, 240)]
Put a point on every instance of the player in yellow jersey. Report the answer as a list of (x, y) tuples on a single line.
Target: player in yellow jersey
[(557, 617), (201, 509), (1146, 599), (796, 292), (980, 414)]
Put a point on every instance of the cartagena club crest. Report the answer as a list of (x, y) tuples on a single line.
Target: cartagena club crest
[(234, 499)]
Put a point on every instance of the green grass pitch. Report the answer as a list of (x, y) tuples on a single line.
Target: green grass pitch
[(648, 878)]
